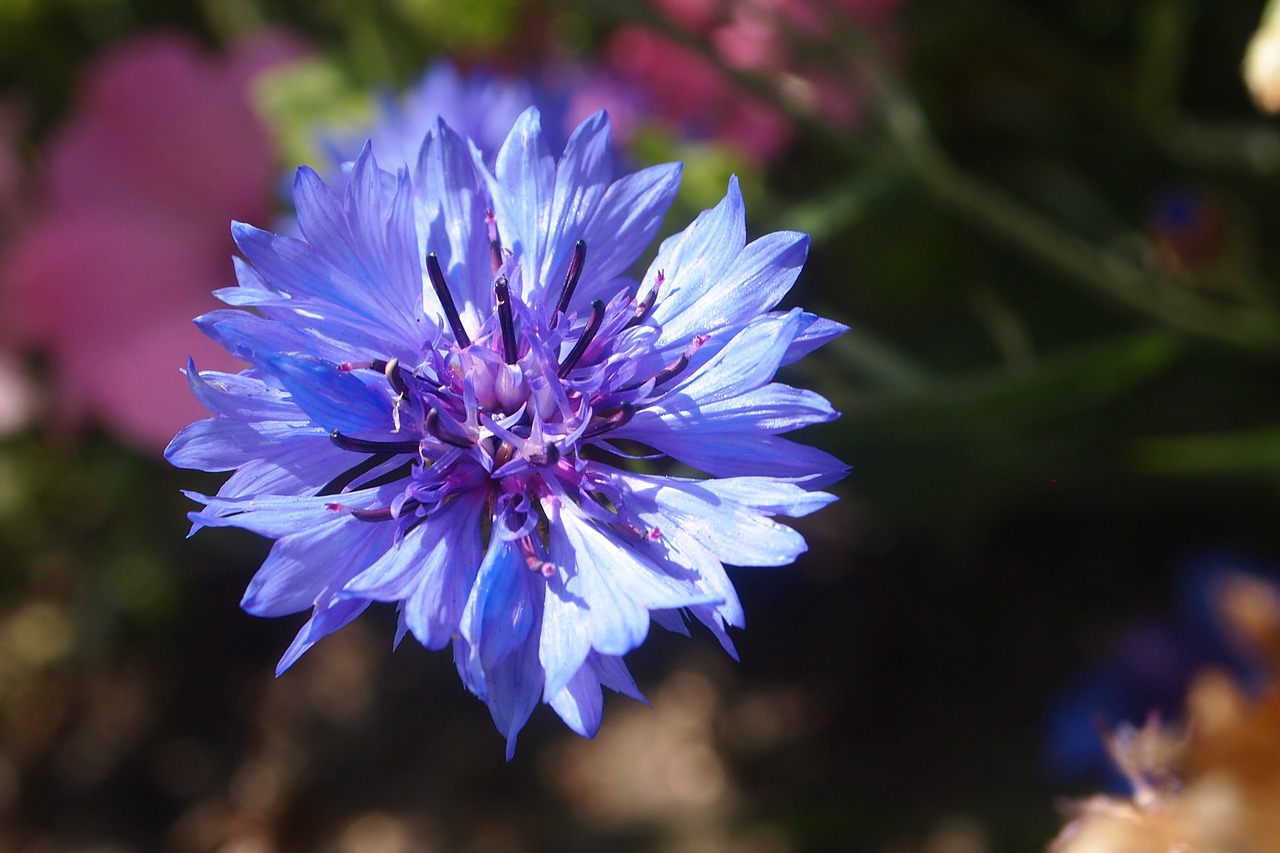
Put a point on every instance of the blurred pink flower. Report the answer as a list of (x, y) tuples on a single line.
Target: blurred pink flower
[(131, 230), (771, 38), (12, 175), (689, 91)]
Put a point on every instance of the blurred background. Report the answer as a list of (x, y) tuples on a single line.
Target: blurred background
[(1053, 228)]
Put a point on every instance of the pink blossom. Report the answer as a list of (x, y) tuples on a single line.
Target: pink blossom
[(770, 38), (688, 90), (12, 176), (130, 234)]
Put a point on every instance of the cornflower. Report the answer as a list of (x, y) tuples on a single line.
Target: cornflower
[(450, 373)]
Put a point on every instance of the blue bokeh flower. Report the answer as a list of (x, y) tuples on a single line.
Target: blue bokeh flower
[(480, 106), (449, 373)]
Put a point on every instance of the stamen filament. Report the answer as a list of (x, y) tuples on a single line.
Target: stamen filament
[(646, 304), (588, 334), (570, 281), (608, 422), (441, 288), (360, 445), (395, 378), (510, 349), (673, 369), (438, 431), (495, 243), (346, 478)]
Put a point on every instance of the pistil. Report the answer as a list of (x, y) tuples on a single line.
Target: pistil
[(495, 243), (360, 445), (441, 288), (588, 334), (510, 349), (611, 421), (570, 281)]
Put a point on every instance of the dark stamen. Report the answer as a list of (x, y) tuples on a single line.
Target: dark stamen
[(380, 514), (383, 514), (570, 280), (674, 368), (437, 429), (588, 334), (495, 243), (360, 445), (510, 350), (611, 421), (646, 304), (446, 301), (395, 377), (346, 478), (548, 454)]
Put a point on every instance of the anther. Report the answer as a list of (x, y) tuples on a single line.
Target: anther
[(646, 304), (495, 244), (438, 430), (570, 281), (376, 364), (533, 561), (360, 445), (380, 514), (395, 378), (510, 349), (547, 454), (588, 334), (441, 288), (674, 368), (611, 421)]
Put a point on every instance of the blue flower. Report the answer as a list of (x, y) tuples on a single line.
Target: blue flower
[(449, 373), (480, 106)]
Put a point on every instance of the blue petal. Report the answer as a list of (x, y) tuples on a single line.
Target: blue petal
[(623, 225), (367, 239), (727, 393), (619, 585), (297, 465), (523, 187), (583, 176), (452, 217), (754, 282), (513, 690), (280, 515), (499, 613), (334, 399), (730, 517), (431, 571), (730, 454), (694, 261), (579, 703), (312, 564), (814, 332), (294, 268), (238, 395), (613, 674), (335, 614), (566, 634)]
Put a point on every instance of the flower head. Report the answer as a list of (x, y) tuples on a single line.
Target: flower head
[(449, 370)]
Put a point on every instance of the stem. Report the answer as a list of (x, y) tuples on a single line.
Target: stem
[(1002, 215)]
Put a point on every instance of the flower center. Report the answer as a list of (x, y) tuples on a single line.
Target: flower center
[(512, 406)]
